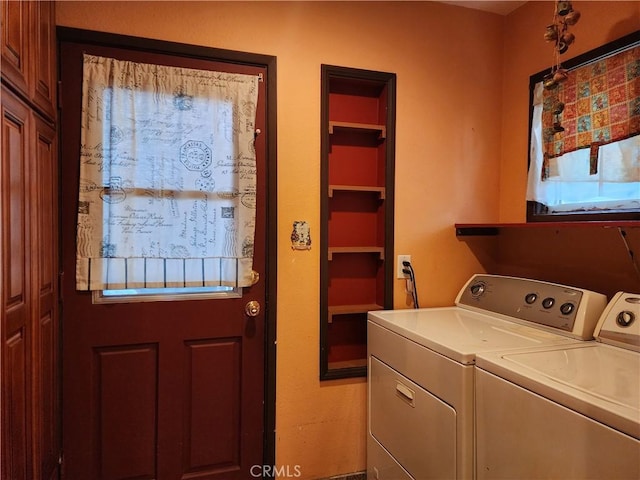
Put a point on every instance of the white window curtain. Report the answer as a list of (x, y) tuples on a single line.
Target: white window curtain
[(167, 177), (569, 185)]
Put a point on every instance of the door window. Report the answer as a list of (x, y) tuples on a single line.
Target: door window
[(167, 179)]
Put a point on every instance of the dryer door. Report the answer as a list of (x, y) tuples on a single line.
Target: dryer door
[(417, 428)]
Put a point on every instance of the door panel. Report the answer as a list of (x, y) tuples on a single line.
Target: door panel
[(44, 55), (158, 390), (16, 362), (126, 425), (46, 321), (211, 436), (15, 41)]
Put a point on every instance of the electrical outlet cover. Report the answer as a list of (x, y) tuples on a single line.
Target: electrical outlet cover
[(402, 258)]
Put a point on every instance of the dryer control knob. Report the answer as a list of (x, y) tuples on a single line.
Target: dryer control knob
[(548, 302), (567, 308), (477, 289), (625, 318), (531, 298)]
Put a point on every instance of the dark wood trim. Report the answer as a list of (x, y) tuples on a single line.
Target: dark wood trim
[(269, 62), (324, 218), (390, 172), (269, 457), (604, 50), (536, 212), (162, 46)]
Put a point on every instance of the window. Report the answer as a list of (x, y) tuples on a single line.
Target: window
[(167, 180), (584, 157)]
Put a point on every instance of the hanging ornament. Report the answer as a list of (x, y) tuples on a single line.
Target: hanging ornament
[(563, 8), (551, 33), (557, 32), (572, 18)]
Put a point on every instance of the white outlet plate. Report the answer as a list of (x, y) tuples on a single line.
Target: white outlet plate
[(402, 258)]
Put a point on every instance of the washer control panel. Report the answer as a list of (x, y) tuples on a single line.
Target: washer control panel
[(569, 310), (620, 322)]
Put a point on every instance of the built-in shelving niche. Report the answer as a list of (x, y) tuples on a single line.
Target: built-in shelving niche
[(357, 148)]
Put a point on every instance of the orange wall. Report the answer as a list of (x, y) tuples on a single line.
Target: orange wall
[(460, 154), (526, 53)]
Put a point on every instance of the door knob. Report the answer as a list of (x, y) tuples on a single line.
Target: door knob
[(252, 308)]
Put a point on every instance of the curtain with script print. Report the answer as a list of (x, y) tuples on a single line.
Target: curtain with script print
[(167, 177)]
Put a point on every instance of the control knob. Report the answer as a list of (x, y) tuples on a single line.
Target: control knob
[(567, 308), (548, 302), (477, 289), (625, 318), (530, 298)]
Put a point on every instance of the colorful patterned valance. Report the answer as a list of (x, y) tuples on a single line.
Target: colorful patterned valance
[(601, 105)]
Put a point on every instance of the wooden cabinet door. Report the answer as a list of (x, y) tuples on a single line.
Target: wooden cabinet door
[(15, 44), (16, 297), (28, 51), (30, 363), (43, 86), (44, 268), (29, 326)]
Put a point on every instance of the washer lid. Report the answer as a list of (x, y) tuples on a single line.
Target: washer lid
[(460, 334), (600, 381)]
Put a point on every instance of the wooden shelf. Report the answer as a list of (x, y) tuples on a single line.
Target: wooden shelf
[(381, 130), (345, 364), (595, 255), (350, 309), (381, 191), (377, 250), (489, 229)]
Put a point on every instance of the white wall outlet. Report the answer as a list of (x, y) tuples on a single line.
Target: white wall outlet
[(402, 258)]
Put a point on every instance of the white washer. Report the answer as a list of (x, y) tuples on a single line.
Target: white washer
[(568, 411), (421, 368)]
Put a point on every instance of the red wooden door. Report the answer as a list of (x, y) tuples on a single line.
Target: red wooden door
[(157, 390)]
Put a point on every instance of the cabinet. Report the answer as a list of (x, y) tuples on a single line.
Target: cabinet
[(357, 180), (29, 325), (28, 52)]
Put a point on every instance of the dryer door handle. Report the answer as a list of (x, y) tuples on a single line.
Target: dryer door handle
[(405, 393)]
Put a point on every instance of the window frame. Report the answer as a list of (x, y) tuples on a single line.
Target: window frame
[(172, 294), (538, 212)]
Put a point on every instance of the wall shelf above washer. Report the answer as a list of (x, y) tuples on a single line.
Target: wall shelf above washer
[(488, 229), (603, 256)]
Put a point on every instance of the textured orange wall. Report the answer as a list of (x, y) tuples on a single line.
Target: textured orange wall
[(449, 63), (526, 53)]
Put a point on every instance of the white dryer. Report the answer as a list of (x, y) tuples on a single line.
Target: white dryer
[(421, 368), (565, 411)]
